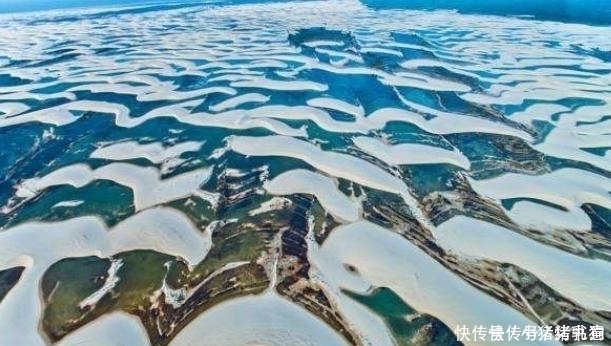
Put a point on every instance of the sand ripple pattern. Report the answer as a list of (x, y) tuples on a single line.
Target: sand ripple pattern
[(107, 117)]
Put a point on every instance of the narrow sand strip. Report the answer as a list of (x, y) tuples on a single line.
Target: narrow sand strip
[(154, 152), (145, 182), (335, 164), (324, 188), (410, 153), (567, 187)]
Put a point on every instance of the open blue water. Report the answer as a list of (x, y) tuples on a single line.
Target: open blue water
[(573, 11), (596, 12)]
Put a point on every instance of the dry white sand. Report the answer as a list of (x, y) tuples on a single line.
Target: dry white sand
[(385, 259), (332, 163), (568, 188), (147, 186), (584, 281), (38, 245), (154, 152), (115, 329), (265, 319), (410, 153), (324, 188)]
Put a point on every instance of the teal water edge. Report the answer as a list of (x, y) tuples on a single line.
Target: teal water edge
[(596, 12)]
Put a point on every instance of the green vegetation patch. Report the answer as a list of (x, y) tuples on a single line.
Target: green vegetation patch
[(407, 326), (103, 198), (8, 279), (142, 274), (65, 284)]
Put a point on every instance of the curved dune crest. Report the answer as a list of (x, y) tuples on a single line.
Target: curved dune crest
[(546, 218), (61, 115), (240, 322), (115, 329), (149, 189), (324, 188), (338, 105), (568, 188), (410, 153), (340, 165), (154, 152), (39, 245), (418, 279), (9, 109), (585, 281), (239, 100)]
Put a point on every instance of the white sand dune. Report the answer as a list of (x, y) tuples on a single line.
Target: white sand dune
[(410, 153), (338, 105), (154, 152), (266, 319), (148, 188), (238, 120), (239, 100), (324, 188), (9, 109), (115, 329), (385, 259), (38, 245), (585, 281), (335, 164), (545, 218), (568, 188), (445, 122), (61, 115)]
